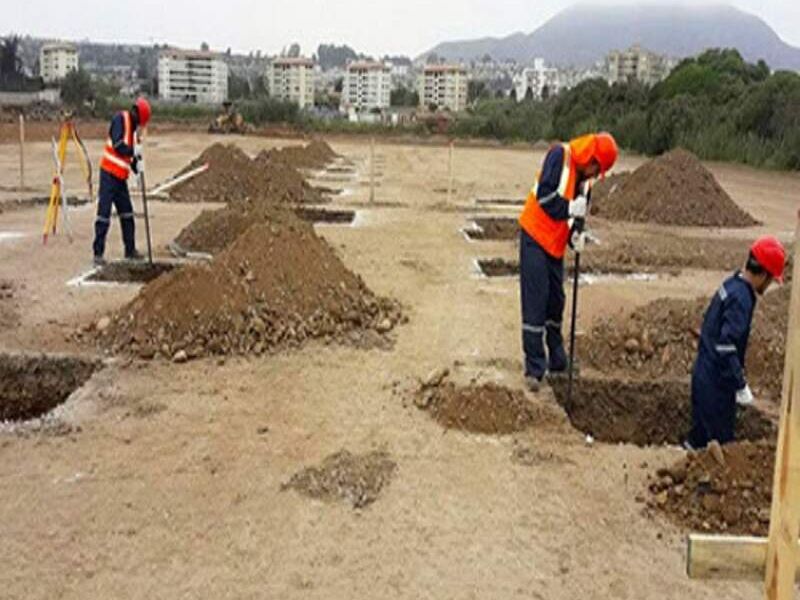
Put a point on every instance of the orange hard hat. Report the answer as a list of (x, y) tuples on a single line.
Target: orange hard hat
[(143, 108), (606, 151), (771, 255)]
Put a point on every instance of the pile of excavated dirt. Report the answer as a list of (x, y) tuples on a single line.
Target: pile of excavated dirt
[(724, 489), (355, 479), (276, 285), (660, 340), (642, 412), (232, 177), (488, 408), (673, 189), (30, 386), (314, 155)]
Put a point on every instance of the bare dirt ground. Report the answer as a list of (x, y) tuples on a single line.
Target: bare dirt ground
[(172, 480)]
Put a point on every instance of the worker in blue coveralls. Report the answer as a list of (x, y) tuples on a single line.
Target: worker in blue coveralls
[(120, 157), (718, 378)]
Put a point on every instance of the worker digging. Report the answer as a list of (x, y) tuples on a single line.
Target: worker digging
[(121, 155), (552, 218), (718, 377)]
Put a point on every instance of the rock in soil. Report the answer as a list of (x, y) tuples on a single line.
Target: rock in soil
[(276, 286), (643, 412), (356, 479), (733, 495), (665, 334), (31, 386), (488, 408), (673, 189)]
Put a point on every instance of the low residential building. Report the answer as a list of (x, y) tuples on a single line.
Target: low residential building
[(367, 86), (56, 60), (192, 76), (636, 63), (291, 79), (443, 87), (537, 82)]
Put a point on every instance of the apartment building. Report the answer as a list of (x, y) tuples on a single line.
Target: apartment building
[(292, 79), (367, 86), (443, 87), (538, 81), (56, 60), (192, 76), (636, 63)]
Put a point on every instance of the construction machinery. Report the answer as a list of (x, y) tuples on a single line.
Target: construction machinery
[(229, 121)]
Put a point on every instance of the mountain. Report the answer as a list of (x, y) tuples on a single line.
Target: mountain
[(584, 34)]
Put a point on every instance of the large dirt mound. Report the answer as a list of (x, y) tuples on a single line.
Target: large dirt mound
[(355, 479), (488, 408), (673, 189), (277, 285), (314, 155), (660, 340), (725, 490), (232, 177)]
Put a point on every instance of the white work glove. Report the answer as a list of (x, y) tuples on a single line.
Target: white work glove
[(577, 207), (744, 397), (579, 240)]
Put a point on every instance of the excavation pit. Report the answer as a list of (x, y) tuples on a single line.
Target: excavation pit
[(31, 386), (591, 274), (493, 228), (323, 215), (489, 408), (644, 413), (129, 272), (501, 201)]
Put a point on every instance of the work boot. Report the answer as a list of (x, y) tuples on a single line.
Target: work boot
[(99, 261), (559, 374), (134, 256), (533, 384)]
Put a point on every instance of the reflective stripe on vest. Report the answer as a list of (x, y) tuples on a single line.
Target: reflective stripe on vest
[(113, 162), (550, 234)]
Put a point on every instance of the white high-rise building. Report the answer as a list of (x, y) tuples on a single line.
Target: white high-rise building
[(366, 86), (292, 79), (192, 76), (56, 60), (541, 80), (443, 86)]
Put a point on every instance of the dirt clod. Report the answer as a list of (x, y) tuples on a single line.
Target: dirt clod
[(673, 189), (730, 493), (356, 479)]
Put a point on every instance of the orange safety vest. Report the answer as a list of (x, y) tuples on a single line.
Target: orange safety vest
[(113, 162), (550, 234)]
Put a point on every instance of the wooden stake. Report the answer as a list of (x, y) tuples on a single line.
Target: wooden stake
[(450, 174), (22, 153), (372, 169), (784, 528)]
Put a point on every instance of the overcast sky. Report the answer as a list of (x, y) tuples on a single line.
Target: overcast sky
[(371, 26)]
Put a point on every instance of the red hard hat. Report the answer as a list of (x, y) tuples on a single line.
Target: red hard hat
[(143, 108), (606, 151), (770, 254)]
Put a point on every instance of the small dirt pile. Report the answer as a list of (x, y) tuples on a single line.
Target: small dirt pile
[(30, 386), (489, 408), (355, 479), (659, 340), (642, 412), (277, 285), (673, 189), (232, 177), (314, 155), (725, 490)]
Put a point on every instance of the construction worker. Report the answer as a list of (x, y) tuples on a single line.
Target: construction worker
[(718, 377), (559, 194), (120, 157)]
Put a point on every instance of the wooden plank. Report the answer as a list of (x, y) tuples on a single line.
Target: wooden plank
[(782, 549), (726, 557)]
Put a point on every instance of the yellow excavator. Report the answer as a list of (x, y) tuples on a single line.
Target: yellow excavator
[(229, 121)]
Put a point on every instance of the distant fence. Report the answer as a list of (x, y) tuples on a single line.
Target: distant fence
[(18, 99)]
